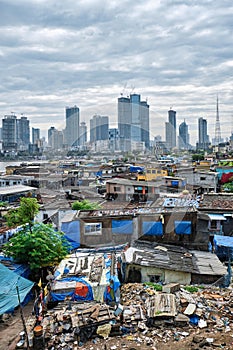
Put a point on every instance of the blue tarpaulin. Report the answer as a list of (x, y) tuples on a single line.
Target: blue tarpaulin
[(71, 230), (223, 246), (136, 169), (152, 228), (183, 227), (8, 291), (80, 291), (122, 227)]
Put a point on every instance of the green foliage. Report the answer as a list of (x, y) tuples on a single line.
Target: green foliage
[(228, 187), (39, 247), (25, 214), (191, 289), (85, 205), (197, 157), (156, 286), (3, 204)]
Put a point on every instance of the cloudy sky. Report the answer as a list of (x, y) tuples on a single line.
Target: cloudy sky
[(174, 53)]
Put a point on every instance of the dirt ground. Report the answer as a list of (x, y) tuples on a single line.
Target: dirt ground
[(11, 327)]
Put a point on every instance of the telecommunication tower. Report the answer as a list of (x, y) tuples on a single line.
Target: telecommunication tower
[(217, 126)]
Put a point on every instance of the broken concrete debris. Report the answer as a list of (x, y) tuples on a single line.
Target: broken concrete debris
[(145, 315)]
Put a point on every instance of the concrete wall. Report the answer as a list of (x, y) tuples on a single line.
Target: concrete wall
[(177, 277)]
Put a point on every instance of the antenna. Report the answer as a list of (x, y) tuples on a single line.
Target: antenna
[(217, 126)]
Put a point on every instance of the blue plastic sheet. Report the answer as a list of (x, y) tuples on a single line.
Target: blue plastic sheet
[(62, 295), (152, 228), (122, 226), (71, 230), (183, 227), (8, 291), (223, 246)]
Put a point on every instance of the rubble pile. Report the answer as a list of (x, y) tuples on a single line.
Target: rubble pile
[(145, 316)]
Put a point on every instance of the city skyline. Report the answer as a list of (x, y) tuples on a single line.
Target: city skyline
[(175, 54), (79, 132)]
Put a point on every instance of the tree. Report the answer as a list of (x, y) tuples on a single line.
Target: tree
[(39, 246), (85, 205), (25, 214)]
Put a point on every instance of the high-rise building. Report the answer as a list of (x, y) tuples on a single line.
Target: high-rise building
[(72, 126), (82, 134), (183, 136), (55, 138), (171, 129), (113, 139), (35, 135), (133, 121), (23, 133), (203, 138), (51, 131), (9, 133), (99, 126)]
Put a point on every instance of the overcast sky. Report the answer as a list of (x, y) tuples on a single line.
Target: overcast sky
[(174, 53)]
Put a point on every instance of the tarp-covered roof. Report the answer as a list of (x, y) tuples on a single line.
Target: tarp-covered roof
[(8, 292)]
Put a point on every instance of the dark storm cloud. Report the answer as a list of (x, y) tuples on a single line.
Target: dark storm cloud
[(175, 53)]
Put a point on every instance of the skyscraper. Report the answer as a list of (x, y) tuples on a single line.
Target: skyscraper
[(9, 133), (15, 133), (133, 121), (203, 138), (183, 136), (171, 129), (23, 133), (82, 134), (55, 138), (35, 135), (99, 126), (113, 139), (72, 126)]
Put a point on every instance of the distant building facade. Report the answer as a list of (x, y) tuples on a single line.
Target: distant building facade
[(183, 136), (82, 134), (113, 139), (171, 129), (203, 137), (99, 127), (133, 121), (15, 133), (23, 133), (35, 135), (72, 126), (55, 138)]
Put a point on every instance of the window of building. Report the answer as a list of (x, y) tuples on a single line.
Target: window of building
[(154, 278), (148, 171), (93, 228), (214, 225), (153, 171), (202, 178), (117, 188)]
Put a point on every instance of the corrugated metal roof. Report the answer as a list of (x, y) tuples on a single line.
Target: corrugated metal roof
[(209, 264), (16, 189), (216, 217), (176, 259)]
